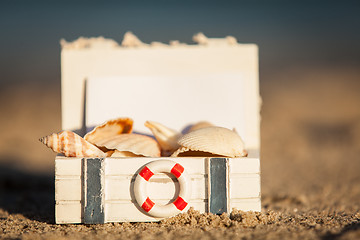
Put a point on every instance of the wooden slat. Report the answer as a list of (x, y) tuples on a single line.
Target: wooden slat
[(68, 212), (128, 212), (115, 166), (218, 185), (244, 185), (160, 186), (68, 189), (93, 190), (65, 166), (247, 204), (244, 165)]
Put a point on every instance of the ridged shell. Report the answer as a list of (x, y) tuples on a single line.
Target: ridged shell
[(117, 153), (71, 145), (166, 137), (134, 143), (199, 125), (215, 140), (109, 129)]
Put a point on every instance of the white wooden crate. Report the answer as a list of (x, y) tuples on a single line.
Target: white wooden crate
[(119, 205), (91, 77)]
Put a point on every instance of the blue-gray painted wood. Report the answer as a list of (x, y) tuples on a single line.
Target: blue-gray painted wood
[(218, 199), (93, 208)]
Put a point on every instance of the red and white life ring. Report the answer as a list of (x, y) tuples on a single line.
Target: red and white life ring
[(165, 166)]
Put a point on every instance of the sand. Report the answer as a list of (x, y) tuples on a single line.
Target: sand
[(309, 161)]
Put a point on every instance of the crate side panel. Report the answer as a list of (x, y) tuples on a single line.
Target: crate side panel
[(68, 189), (249, 204), (68, 212), (244, 165), (65, 166), (244, 185)]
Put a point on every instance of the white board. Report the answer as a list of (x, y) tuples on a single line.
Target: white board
[(79, 64), (175, 101)]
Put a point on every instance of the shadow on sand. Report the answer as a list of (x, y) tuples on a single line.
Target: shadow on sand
[(27, 193)]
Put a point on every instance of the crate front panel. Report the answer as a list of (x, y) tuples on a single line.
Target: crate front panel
[(119, 176)]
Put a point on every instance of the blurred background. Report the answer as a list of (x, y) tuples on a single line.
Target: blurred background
[(309, 82)]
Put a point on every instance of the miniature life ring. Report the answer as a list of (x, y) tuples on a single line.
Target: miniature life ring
[(166, 166)]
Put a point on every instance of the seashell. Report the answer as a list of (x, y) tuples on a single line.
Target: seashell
[(134, 143), (117, 153), (166, 137), (109, 129), (215, 140), (71, 145), (199, 125), (130, 40)]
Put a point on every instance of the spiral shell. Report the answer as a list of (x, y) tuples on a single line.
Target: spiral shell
[(214, 140), (134, 143), (109, 129), (71, 145)]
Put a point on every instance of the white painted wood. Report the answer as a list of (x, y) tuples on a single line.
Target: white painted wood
[(122, 211), (160, 186), (77, 65), (119, 166), (248, 204), (244, 165), (125, 211), (218, 98), (67, 166), (68, 212), (244, 184), (68, 189)]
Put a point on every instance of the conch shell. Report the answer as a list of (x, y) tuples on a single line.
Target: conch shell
[(71, 145), (214, 140), (109, 129), (134, 143), (166, 137)]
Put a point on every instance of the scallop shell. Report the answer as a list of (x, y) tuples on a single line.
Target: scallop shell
[(109, 129), (166, 137), (215, 140), (199, 125), (117, 153), (71, 145), (134, 143)]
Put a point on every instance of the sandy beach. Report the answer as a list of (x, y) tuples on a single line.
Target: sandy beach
[(310, 164)]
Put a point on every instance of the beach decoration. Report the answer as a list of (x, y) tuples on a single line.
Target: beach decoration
[(211, 140), (166, 137), (147, 81), (170, 209), (109, 129), (71, 145), (128, 144), (114, 139)]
